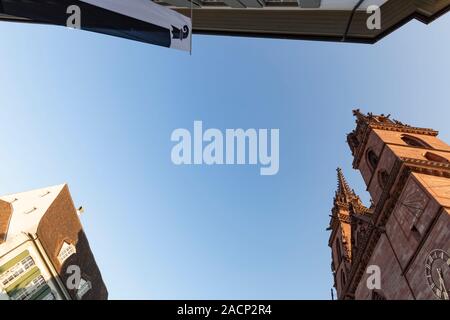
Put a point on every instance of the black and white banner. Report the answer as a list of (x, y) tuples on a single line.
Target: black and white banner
[(140, 20)]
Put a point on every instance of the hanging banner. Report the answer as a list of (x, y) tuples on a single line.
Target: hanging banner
[(139, 20)]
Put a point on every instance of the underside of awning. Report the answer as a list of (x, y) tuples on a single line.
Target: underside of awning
[(331, 20)]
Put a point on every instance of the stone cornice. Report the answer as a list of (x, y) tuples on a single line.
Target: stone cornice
[(365, 127), (404, 128), (434, 168), (344, 218)]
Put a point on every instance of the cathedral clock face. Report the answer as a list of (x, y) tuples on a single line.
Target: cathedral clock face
[(437, 272)]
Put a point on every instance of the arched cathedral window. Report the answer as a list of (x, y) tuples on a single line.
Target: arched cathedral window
[(383, 178), (436, 158), (372, 159), (414, 141)]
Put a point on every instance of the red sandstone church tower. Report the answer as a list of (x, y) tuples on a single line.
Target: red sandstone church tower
[(404, 237)]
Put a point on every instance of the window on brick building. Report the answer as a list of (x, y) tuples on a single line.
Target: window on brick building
[(16, 271), (66, 251), (436, 158), (83, 288), (414, 141), (372, 159), (383, 178)]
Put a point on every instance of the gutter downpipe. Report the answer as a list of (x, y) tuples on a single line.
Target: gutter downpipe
[(40, 249), (350, 20)]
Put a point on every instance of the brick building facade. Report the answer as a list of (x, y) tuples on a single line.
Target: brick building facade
[(44, 252), (405, 233)]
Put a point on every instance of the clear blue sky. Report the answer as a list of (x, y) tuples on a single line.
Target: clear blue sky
[(97, 112)]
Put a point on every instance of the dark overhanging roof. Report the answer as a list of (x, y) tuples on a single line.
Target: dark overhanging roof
[(326, 25), (347, 25)]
